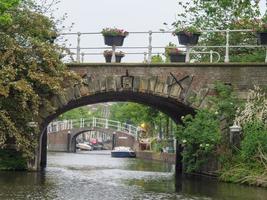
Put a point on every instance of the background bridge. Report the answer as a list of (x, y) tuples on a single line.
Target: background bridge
[(62, 135), (94, 122)]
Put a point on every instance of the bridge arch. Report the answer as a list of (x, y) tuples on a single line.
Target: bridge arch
[(166, 104)]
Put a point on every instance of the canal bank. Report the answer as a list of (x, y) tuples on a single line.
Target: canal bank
[(156, 156)]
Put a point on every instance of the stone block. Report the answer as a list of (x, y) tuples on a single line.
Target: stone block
[(152, 84), (96, 86), (159, 88), (143, 84), (111, 83), (174, 91), (102, 84), (77, 93), (84, 91), (136, 84), (69, 94)]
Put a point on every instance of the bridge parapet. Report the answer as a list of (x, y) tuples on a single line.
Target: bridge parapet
[(217, 53)]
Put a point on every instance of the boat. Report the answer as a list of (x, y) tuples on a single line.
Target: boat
[(123, 152), (84, 146)]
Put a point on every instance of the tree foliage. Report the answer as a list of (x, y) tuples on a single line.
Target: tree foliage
[(31, 72), (222, 15), (200, 135), (5, 7)]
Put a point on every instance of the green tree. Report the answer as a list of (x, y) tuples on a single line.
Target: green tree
[(222, 15), (5, 7), (31, 73)]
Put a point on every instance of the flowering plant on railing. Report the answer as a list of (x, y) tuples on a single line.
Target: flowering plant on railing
[(109, 53), (187, 35), (173, 51), (257, 25), (114, 32), (174, 54), (188, 30)]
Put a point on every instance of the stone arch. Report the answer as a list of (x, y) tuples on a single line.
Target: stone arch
[(166, 94)]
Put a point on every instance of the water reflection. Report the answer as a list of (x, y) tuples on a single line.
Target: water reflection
[(96, 176)]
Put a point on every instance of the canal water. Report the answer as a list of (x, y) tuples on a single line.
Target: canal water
[(95, 175)]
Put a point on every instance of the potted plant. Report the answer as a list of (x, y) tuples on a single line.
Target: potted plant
[(118, 56), (187, 35), (175, 54), (114, 36)]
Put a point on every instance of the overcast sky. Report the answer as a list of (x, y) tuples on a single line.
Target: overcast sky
[(131, 15)]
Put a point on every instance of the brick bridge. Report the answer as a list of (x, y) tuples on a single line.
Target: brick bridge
[(175, 89)]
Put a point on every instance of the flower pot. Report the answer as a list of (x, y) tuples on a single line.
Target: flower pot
[(108, 59), (188, 39), (114, 40), (262, 38), (117, 58), (177, 57)]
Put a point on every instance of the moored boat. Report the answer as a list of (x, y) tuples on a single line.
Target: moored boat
[(84, 146), (123, 152)]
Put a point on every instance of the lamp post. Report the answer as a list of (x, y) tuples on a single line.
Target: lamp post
[(235, 134), (113, 140), (69, 141)]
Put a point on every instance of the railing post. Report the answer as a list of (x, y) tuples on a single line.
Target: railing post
[(266, 54), (83, 57), (113, 58), (149, 47), (187, 57), (129, 128), (94, 122), (211, 56), (145, 57), (119, 126), (226, 59), (106, 124), (57, 127), (78, 56)]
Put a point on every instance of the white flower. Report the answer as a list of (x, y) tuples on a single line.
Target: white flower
[(184, 141), (201, 145)]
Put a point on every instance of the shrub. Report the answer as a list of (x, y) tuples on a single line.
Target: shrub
[(255, 139), (199, 135)]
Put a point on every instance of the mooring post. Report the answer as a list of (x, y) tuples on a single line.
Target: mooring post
[(179, 158), (113, 140), (43, 162)]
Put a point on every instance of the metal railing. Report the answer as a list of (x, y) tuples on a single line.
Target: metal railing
[(150, 50), (94, 122)]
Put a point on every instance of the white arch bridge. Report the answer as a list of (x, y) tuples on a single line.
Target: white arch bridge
[(62, 134), (93, 123)]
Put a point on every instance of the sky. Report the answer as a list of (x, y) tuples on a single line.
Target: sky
[(130, 15)]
